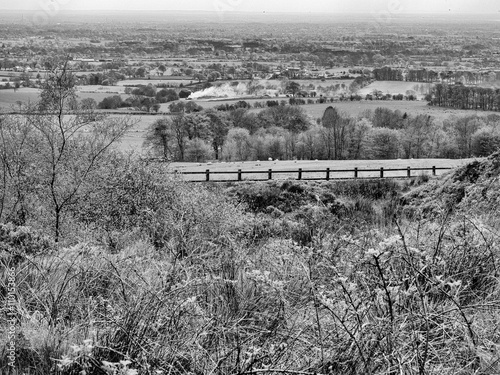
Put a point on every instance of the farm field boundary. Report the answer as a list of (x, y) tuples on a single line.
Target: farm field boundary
[(308, 174)]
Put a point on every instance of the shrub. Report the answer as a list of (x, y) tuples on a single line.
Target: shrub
[(165, 96), (184, 93), (258, 197), (111, 102), (17, 242)]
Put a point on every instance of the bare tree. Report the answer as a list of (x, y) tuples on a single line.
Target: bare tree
[(66, 144), (333, 133)]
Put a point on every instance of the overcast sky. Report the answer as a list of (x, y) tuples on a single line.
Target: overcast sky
[(323, 6)]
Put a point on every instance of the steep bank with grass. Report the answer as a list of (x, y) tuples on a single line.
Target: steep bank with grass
[(470, 189)]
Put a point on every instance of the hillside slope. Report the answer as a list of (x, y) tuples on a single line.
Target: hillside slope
[(473, 188)]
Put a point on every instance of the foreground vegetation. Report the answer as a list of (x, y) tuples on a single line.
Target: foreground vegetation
[(162, 277), (122, 269)]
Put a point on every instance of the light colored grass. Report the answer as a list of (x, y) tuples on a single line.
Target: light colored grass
[(9, 97), (155, 81), (134, 138), (412, 108), (98, 96), (318, 83), (389, 87), (25, 94), (207, 104), (101, 89), (293, 166)]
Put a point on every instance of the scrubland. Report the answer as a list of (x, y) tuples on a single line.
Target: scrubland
[(153, 275)]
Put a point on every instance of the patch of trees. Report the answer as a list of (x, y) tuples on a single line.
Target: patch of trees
[(285, 132), (360, 82), (431, 76), (185, 107), (142, 97), (104, 79), (184, 93), (189, 137), (291, 118), (143, 103), (296, 101), (465, 97), (232, 107), (422, 75), (6, 86), (198, 136), (412, 75), (166, 95), (144, 90), (112, 102), (387, 74)]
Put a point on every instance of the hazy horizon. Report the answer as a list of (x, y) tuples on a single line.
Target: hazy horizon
[(263, 6), (360, 12)]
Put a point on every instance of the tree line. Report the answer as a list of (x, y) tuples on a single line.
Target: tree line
[(465, 97), (144, 97), (429, 76), (287, 133)]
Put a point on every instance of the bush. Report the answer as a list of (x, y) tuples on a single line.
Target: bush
[(197, 150), (111, 102), (259, 197), (184, 93), (18, 242), (486, 141), (165, 96)]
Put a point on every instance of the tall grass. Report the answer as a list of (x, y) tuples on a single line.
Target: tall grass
[(207, 286)]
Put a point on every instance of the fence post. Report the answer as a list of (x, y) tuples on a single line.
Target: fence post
[(207, 174), (356, 172), (270, 174), (433, 170), (408, 172), (381, 172), (239, 174), (300, 173), (328, 174)]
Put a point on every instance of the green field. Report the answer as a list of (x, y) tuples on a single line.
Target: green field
[(9, 98), (155, 81), (134, 138), (413, 108), (98, 96), (389, 87), (319, 83), (110, 90), (293, 166)]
